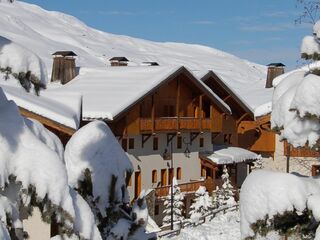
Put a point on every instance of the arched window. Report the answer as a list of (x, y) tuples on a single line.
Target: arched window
[(178, 173), (154, 176)]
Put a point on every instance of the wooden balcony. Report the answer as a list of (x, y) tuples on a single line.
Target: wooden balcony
[(174, 124), (189, 187)]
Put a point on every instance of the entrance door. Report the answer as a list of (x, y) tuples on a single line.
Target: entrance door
[(163, 177), (137, 184)]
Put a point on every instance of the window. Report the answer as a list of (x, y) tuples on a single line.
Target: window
[(227, 138), (179, 142), (163, 177), (156, 210), (130, 181), (178, 173), (154, 176), (201, 143), (155, 143), (124, 144), (131, 143), (170, 176)]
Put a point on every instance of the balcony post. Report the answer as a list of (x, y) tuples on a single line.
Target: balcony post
[(178, 105)]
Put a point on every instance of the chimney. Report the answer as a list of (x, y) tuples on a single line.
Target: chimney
[(64, 66), (118, 61), (150, 64), (274, 70)]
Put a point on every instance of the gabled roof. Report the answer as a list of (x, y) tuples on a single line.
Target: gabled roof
[(228, 89), (120, 59), (65, 53), (64, 111), (109, 92)]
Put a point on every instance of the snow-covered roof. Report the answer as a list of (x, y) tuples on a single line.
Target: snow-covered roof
[(57, 107), (94, 49), (229, 155), (109, 91), (250, 92)]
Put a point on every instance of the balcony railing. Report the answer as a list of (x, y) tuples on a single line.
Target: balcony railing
[(174, 124), (187, 187)]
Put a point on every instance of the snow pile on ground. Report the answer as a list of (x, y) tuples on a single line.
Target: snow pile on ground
[(296, 107), (222, 227), (95, 148), (21, 59), (266, 193), (95, 48)]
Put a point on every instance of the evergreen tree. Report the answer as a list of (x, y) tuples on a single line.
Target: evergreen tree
[(177, 204), (201, 205), (226, 191), (217, 198)]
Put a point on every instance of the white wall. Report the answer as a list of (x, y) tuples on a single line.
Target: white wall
[(148, 160), (35, 227)]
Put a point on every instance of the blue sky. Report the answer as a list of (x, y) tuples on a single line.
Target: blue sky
[(262, 31)]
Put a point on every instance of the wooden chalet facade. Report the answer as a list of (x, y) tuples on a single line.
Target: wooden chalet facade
[(241, 129)]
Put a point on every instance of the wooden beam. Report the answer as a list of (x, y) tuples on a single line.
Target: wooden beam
[(178, 103), (48, 122), (145, 138), (226, 98), (193, 136), (241, 118), (170, 137), (201, 112)]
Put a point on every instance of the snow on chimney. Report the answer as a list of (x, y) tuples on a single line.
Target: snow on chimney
[(64, 66), (274, 70)]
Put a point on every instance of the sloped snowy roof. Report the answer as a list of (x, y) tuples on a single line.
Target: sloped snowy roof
[(64, 110), (250, 92), (109, 91), (229, 155)]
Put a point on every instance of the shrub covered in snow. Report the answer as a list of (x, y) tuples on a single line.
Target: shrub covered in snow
[(33, 174), (201, 205), (21, 64), (177, 205), (279, 201), (97, 168)]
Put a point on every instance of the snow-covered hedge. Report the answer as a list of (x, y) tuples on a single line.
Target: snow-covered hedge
[(266, 196)]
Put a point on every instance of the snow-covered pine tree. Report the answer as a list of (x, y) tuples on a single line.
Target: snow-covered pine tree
[(202, 204), (97, 169), (226, 190), (217, 198), (177, 204)]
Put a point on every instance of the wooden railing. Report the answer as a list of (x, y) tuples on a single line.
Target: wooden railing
[(189, 123), (186, 187), (174, 124)]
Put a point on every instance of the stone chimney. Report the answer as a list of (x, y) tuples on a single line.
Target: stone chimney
[(118, 61), (64, 66), (274, 70)]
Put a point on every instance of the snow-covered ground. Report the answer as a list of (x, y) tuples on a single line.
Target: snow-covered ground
[(222, 227)]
